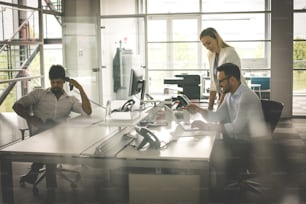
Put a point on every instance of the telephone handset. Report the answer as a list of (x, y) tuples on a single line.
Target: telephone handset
[(183, 100), (70, 85), (127, 106), (148, 137)]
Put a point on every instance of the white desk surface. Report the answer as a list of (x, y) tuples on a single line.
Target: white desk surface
[(185, 148), (69, 138), (138, 116), (10, 123), (184, 145), (85, 133)]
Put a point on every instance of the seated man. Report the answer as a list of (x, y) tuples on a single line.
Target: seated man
[(50, 106), (240, 116)]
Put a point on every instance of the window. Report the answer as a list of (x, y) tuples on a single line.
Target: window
[(234, 5), (173, 48), (299, 53), (173, 39), (172, 6)]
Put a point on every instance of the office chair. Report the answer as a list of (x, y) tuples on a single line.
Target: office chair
[(272, 111), (42, 172), (260, 149)]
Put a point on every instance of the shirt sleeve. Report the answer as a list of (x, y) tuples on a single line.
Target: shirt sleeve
[(77, 106), (221, 114), (249, 121), (31, 98)]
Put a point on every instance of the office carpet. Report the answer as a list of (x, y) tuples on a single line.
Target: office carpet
[(285, 184)]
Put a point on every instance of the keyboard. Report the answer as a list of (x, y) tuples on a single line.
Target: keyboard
[(113, 145)]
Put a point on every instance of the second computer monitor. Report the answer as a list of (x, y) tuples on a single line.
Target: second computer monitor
[(137, 83)]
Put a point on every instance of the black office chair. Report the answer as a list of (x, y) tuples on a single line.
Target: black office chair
[(42, 172), (272, 112), (256, 150)]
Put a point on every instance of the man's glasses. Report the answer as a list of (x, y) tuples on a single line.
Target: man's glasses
[(225, 78)]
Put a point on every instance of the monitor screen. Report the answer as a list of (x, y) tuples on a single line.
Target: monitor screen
[(137, 83)]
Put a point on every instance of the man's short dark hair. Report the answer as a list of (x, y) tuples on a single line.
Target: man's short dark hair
[(229, 70), (57, 72)]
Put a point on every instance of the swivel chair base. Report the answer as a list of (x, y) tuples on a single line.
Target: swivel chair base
[(42, 175), (243, 183)]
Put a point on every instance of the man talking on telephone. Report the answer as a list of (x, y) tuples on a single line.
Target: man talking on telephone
[(45, 108)]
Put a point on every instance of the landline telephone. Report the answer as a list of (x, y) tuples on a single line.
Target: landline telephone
[(148, 138), (127, 106), (70, 85), (182, 99)]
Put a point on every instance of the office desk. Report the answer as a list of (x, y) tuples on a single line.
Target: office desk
[(75, 141), (183, 168), (9, 124)]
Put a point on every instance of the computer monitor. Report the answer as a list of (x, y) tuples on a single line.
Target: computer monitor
[(137, 83)]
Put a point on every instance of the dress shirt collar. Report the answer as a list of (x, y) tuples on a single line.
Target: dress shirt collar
[(63, 95), (238, 91)]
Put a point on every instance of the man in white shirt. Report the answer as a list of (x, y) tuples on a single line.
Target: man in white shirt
[(240, 116), (240, 119), (50, 107)]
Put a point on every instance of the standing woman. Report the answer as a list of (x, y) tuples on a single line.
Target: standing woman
[(219, 53)]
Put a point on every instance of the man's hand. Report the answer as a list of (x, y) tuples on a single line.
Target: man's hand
[(200, 124), (85, 101), (75, 84), (35, 121), (192, 108)]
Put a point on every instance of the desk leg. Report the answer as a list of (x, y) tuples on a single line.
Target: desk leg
[(204, 185), (51, 182), (7, 181)]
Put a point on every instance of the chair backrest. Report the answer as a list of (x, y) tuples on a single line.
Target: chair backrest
[(272, 111)]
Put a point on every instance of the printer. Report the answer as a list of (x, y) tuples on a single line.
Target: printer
[(189, 83)]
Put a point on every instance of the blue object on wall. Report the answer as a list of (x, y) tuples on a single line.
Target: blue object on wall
[(263, 81)]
